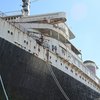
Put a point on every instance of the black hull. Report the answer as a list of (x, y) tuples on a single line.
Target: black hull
[(27, 77)]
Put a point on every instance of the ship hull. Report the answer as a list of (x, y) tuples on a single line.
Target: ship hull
[(26, 77)]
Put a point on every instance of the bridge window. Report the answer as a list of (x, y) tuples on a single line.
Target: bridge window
[(55, 35), (63, 51), (61, 38)]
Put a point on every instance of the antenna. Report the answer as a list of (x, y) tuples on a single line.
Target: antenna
[(26, 7)]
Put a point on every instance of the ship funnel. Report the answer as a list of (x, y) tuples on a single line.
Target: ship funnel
[(91, 65), (26, 7)]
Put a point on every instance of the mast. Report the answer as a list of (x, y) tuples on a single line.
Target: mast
[(26, 7)]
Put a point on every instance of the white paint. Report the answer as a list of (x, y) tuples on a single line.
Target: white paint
[(24, 41)]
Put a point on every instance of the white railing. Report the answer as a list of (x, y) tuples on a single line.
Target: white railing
[(78, 63), (70, 56)]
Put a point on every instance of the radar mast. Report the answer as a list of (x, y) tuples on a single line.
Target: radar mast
[(26, 7)]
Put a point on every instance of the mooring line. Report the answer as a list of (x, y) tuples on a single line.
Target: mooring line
[(4, 90), (55, 78)]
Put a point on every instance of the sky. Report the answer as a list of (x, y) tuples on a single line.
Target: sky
[(82, 18)]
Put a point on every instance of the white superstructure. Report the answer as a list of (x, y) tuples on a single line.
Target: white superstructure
[(37, 34)]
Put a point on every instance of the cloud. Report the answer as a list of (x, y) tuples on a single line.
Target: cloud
[(79, 11)]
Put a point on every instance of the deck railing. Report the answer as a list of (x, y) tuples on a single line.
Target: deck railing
[(77, 62)]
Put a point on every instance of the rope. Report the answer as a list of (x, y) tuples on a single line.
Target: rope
[(3, 88), (55, 78)]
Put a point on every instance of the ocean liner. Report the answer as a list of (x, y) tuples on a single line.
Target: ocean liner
[(38, 61)]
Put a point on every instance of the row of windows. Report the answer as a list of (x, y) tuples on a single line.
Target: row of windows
[(22, 46), (82, 77), (75, 61), (11, 33), (77, 74), (62, 64), (54, 47), (11, 18)]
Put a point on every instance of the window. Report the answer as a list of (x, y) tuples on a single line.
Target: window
[(11, 33), (34, 47), (53, 47), (50, 57), (76, 74), (24, 41), (71, 70), (56, 60), (27, 42), (66, 67), (39, 49), (8, 31)]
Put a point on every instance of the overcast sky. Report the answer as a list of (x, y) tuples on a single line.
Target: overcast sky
[(82, 18)]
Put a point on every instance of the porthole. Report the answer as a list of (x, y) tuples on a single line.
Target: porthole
[(11, 33), (76, 74), (71, 70), (29, 50), (66, 67), (24, 47), (24, 41), (34, 47), (27, 42), (50, 57), (8, 31), (39, 49)]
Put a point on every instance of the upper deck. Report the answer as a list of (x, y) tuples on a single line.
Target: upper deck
[(54, 22), (48, 27)]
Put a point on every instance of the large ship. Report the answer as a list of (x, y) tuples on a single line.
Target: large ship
[(38, 61)]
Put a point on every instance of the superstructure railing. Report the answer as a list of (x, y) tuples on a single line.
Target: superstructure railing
[(78, 63)]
